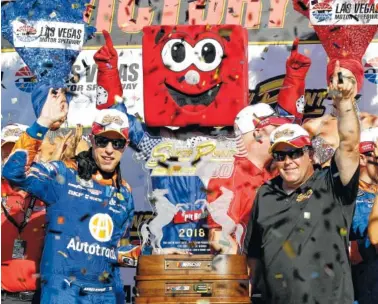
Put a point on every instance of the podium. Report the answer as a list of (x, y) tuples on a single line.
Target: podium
[(189, 279)]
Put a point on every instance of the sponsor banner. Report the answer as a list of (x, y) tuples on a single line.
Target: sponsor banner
[(266, 21), (48, 35), (343, 12)]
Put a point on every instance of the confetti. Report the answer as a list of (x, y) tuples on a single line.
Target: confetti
[(334, 29), (343, 231), (336, 45), (60, 220), (52, 15), (315, 275), (328, 269), (14, 100), (307, 215), (288, 249), (278, 276), (83, 270), (62, 253), (302, 5)]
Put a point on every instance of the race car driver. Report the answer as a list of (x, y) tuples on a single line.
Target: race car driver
[(89, 206)]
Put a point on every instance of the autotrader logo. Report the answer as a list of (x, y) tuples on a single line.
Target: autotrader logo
[(101, 227), (25, 80), (371, 69)]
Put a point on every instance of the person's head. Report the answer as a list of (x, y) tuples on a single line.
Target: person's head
[(109, 138), (369, 156), (256, 122), (39, 96), (9, 135), (292, 152)]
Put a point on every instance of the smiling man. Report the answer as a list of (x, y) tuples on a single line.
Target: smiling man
[(89, 207), (300, 220)]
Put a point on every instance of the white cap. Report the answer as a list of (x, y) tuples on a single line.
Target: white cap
[(258, 116), (291, 134), (11, 133), (111, 120), (368, 140)]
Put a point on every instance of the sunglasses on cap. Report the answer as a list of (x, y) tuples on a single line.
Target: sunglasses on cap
[(292, 154), (102, 142)]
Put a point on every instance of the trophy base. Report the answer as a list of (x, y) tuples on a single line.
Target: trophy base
[(196, 279)]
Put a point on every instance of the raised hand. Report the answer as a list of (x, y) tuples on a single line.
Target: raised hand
[(297, 64), (55, 108), (106, 57), (109, 87), (341, 87)]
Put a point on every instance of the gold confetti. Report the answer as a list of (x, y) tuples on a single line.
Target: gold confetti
[(52, 15), (60, 220), (289, 250), (75, 5), (343, 231), (216, 75), (176, 168), (278, 276)]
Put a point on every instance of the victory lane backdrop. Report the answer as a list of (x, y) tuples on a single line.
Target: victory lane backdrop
[(272, 26), (264, 85)]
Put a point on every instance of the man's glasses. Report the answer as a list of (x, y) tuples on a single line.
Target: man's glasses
[(102, 142), (293, 154)]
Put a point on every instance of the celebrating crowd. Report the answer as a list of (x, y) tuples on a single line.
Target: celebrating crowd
[(301, 202)]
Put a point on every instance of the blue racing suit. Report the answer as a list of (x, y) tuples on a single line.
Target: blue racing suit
[(85, 222), (365, 260)]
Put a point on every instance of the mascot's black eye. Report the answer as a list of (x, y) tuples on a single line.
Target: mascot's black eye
[(178, 52), (208, 52)]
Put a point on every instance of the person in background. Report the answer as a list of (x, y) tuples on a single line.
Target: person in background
[(363, 254), (23, 217), (299, 226)]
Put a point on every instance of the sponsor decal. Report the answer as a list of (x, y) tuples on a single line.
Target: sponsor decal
[(371, 70), (76, 186), (95, 191), (343, 12), (91, 249), (187, 153), (47, 34), (101, 227), (303, 196), (321, 12), (108, 119), (284, 133), (188, 216), (25, 80)]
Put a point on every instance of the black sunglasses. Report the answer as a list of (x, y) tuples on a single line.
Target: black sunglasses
[(293, 154), (102, 142), (371, 154)]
